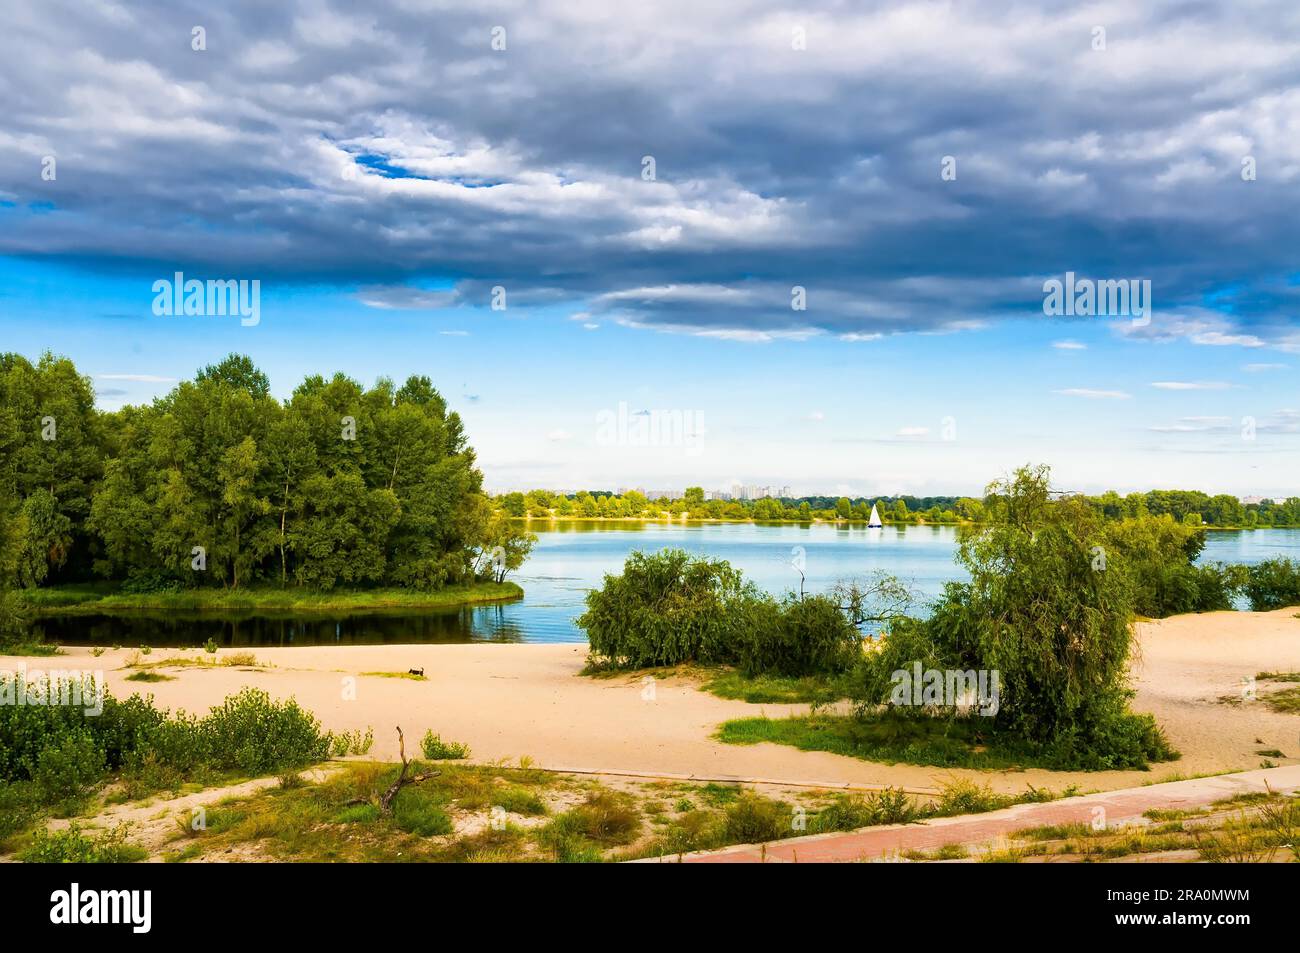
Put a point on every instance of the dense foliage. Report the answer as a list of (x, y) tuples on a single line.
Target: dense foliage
[(219, 483), (1044, 613), (670, 607), (1158, 554), (1273, 584), (60, 751)]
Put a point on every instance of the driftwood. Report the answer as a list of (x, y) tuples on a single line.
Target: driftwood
[(386, 802)]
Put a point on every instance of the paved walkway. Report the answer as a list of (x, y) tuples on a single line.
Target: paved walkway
[(1120, 807)]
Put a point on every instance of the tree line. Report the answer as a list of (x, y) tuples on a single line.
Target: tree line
[(218, 483), (1191, 507)]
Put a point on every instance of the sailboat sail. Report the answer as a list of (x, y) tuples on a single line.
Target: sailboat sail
[(874, 520)]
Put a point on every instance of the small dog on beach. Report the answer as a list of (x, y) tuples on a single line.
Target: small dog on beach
[(416, 671)]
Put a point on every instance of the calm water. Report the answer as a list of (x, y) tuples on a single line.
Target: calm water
[(573, 557)]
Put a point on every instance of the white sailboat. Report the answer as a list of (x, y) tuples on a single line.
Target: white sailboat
[(873, 522)]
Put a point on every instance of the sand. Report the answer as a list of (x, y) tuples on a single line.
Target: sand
[(513, 701)]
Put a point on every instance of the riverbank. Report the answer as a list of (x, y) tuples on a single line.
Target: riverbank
[(518, 700), (812, 521), (105, 599)]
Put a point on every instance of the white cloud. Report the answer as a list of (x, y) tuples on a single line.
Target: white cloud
[(1191, 385), (1090, 394)]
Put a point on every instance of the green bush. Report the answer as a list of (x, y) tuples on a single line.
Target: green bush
[(19, 806), (669, 608), (1273, 584), (1045, 613), (68, 765), (435, 749), (796, 637), (65, 751), (70, 846), (251, 733), (751, 819)]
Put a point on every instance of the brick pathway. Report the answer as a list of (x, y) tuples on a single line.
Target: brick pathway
[(1120, 807)]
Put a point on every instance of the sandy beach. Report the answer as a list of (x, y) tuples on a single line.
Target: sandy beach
[(512, 701)]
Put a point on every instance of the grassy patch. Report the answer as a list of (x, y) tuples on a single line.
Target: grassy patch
[(435, 749), (940, 743), (1286, 701), (71, 846), (412, 676), (774, 689), (105, 599), (149, 677)]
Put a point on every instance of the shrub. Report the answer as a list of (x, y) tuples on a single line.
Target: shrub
[(145, 582), (343, 743), (250, 732), (435, 749), (1273, 584), (68, 766), (1042, 612), (70, 846), (64, 750), (796, 637), (667, 608), (605, 819), (751, 819), (19, 806)]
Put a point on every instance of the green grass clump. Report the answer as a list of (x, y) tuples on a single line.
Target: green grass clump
[(149, 677), (775, 689), (435, 749), (751, 819), (70, 846), (357, 814), (606, 819), (344, 743), (416, 813)]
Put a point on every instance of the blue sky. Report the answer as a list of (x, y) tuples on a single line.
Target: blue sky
[(380, 173)]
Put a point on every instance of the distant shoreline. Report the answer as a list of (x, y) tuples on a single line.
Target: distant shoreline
[(808, 522)]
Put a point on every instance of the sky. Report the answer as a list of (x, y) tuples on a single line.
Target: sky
[(794, 245)]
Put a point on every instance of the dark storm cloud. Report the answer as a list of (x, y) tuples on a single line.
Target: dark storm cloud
[(390, 146)]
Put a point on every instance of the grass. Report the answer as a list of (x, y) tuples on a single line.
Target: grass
[(41, 649), (435, 749), (149, 677), (774, 689), (105, 599), (935, 742), (1286, 701), (409, 675), (231, 660), (70, 846)]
